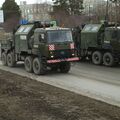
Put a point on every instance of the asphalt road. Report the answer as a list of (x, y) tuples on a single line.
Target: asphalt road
[(99, 82)]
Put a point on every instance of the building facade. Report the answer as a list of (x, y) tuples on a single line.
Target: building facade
[(33, 12), (90, 5)]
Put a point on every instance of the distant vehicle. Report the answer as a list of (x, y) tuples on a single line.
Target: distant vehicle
[(98, 42), (40, 46)]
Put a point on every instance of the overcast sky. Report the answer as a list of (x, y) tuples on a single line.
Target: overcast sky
[(28, 1)]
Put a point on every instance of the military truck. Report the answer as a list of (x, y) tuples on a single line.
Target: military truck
[(98, 42), (40, 46)]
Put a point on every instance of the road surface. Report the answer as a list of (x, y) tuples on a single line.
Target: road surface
[(98, 82), (22, 98)]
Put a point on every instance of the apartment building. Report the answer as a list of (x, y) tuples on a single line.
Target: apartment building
[(36, 11)]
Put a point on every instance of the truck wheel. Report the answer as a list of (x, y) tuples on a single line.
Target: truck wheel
[(108, 59), (28, 64), (10, 60), (65, 67), (97, 58), (4, 59), (38, 67)]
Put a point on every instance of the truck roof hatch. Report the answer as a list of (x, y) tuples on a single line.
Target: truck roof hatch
[(24, 29), (93, 28)]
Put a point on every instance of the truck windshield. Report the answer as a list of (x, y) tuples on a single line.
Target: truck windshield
[(113, 34), (59, 36)]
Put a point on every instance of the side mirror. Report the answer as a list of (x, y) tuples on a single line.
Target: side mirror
[(42, 38)]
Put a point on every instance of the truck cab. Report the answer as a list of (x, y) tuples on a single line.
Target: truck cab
[(56, 46), (112, 38), (54, 43)]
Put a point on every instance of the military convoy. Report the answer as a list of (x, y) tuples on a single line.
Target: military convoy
[(98, 42), (40, 46)]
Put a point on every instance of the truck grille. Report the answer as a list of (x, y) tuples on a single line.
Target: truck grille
[(62, 54)]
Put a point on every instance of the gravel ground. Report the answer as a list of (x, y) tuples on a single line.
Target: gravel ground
[(24, 99)]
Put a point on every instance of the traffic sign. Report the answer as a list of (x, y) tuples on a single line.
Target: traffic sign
[(23, 21), (1, 16)]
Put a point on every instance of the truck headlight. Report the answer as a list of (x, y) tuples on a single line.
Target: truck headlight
[(35, 46), (52, 56), (73, 54)]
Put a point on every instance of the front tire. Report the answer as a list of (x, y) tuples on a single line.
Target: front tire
[(65, 67), (10, 60), (29, 64), (108, 59), (4, 59), (38, 67), (97, 58)]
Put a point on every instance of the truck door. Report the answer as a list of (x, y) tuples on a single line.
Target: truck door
[(40, 40), (115, 40)]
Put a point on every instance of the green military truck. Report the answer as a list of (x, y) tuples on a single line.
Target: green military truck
[(99, 42), (40, 46)]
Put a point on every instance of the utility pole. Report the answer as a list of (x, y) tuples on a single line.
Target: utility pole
[(116, 18), (90, 6), (116, 13), (89, 12), (107, 14)]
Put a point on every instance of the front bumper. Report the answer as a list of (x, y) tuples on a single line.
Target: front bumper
[(63, 60)]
